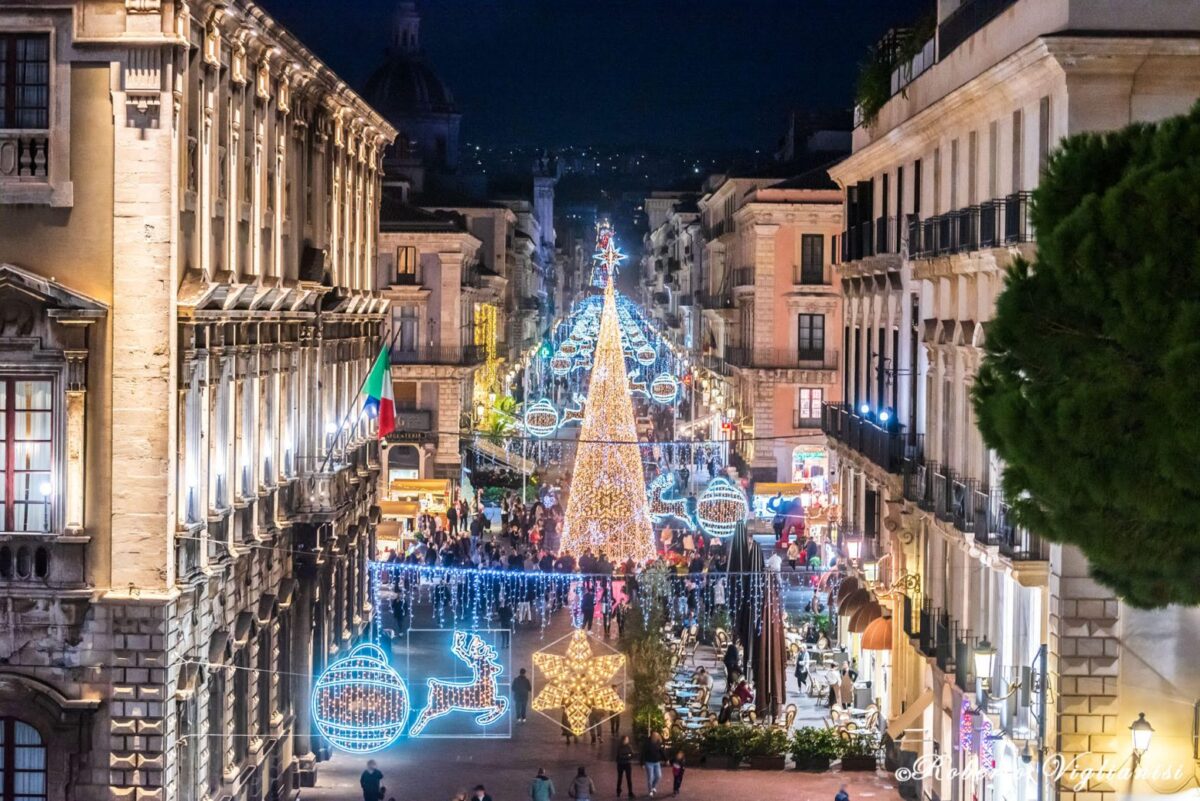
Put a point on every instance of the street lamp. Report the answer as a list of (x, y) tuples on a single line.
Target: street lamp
[(853, 548), (1141, 731), (985, 662), (865, 409)]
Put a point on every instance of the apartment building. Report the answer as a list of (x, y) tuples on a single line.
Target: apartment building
[(937, 195), (771, 310)]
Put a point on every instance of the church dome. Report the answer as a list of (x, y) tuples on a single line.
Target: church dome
[(405, 85)]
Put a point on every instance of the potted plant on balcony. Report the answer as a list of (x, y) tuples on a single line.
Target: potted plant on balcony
[(814, 748), (725, 746), (767, 748), (860, 751)]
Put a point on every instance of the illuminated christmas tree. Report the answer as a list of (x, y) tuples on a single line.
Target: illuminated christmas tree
[(607, 509)]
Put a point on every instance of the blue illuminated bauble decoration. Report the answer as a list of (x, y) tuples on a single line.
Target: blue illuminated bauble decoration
[(569, 348), (541, 418), (646, 356), (721, 507), (664, 389), (360, 704), (560, 365)]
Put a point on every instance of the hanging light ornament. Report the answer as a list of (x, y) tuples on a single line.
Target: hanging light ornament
[(360, 704), (480, 695), (721, 507), (646, 355), (579, 682), (664, 389), (541, 418), (560, 365)]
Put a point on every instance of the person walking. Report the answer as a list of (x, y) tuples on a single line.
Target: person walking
[(842, 795), (452, 519), (371, 782), (625, 766), (652, 759), (582, 788), (732, 661), (801, 673), (588, 608), (480, 794), (614, 723), (521, 690), (566, 729), (677, 767), (506, 622), (542, 789)]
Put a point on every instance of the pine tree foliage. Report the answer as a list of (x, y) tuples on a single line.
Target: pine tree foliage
[(1090, 386)]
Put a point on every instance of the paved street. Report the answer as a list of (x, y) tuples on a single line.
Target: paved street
[(437, 769)]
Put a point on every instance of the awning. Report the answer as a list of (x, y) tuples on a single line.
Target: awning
[(848, 586), (412, 485), (907, 719), (400, 508), (266, 609), (878, 635), (853, 601), (779, 488), (287, 589), (864, 616)]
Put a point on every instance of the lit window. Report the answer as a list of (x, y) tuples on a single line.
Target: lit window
[(406, 265), (22, 761), (808, 404), (26, 448)]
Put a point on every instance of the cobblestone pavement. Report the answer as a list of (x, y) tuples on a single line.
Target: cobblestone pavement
[(435, 770)]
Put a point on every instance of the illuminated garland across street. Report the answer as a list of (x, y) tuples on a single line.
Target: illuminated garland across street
[(468, 597), (579, 682), (360, 704), (606, 509)]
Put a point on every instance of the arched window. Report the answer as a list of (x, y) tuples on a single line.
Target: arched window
[(22, 761)]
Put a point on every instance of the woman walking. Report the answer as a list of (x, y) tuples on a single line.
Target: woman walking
[(652, 759)]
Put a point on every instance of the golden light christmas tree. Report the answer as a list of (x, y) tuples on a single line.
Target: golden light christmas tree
[(607, 510)]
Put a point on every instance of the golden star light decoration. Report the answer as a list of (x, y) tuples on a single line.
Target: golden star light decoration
[(578, 682)]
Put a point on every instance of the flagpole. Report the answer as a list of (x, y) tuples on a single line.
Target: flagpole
[(342, 424)]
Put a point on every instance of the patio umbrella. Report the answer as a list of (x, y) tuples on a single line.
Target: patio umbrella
[(760, 630)]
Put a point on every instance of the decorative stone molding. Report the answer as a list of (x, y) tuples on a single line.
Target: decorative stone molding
[(143, 83), (143, 6), (212, 41)]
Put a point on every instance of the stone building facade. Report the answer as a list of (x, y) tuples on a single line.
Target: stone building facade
[(771, 310), (187, 258), (937, 200)]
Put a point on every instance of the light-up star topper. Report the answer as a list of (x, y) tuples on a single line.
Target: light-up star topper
[(578, 682), (481, 694)]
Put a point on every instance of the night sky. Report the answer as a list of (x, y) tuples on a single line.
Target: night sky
[(630, 72)]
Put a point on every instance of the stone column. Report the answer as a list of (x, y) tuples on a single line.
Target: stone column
[(765, 336), (144, 331), (72, 494), (302, 649)]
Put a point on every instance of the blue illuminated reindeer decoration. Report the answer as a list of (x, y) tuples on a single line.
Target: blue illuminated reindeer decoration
[(480, 694)]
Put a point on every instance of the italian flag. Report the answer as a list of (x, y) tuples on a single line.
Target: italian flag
[(380, 403)]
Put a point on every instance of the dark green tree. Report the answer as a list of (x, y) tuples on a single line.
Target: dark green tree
[(1090, 386)]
